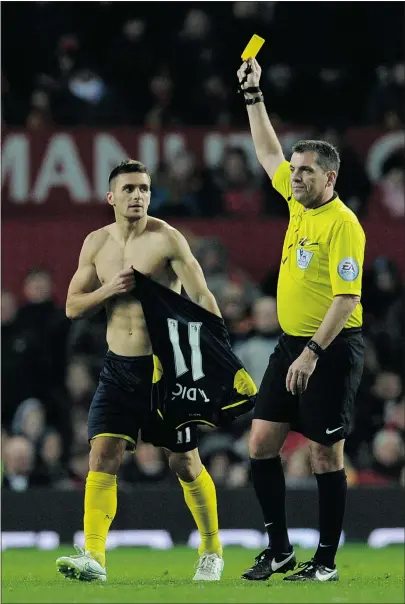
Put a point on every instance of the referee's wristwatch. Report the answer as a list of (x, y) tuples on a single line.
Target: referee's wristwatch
[(318, 350)]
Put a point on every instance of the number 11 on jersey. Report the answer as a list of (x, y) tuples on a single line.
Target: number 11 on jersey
[(194, 329)]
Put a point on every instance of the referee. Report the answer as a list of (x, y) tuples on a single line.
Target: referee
[(313, 375)]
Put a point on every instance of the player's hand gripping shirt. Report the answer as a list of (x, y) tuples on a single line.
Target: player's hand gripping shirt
[(197, 377), (322, 257)]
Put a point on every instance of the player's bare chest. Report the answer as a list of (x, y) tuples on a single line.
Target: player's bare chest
[(144, 255)]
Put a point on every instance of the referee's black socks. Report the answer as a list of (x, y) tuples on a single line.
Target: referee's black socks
[(269, 484), (332, 490)]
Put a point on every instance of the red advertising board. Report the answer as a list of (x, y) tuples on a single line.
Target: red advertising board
[(55, 170), (54, 184)]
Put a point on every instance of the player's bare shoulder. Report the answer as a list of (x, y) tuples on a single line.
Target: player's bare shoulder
[(170, 234), (95, 240), (164, 234)]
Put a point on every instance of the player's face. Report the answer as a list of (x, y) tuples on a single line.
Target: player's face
[(130, 195), (308, 180)]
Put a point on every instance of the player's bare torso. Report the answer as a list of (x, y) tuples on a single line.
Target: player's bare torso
[(149, 253)]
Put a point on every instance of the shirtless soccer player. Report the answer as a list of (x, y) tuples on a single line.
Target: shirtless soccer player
[(121, 404)]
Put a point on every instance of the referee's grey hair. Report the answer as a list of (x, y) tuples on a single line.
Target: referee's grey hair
[(327, 155)]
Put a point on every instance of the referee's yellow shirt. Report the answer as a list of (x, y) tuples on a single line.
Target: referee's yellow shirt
[(322, 257)]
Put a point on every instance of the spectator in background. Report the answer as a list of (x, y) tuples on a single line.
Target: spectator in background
[(241, 195), (353, 183), (388, 199), (371, 408), (214, 260), (50, 453), (25, 367), (163, 110), (382, 288), (383, 302), (298, 469), (30, 421), (86, 99), (131, 57), (255, 351), (40, 115), (234, 308), (210, 105), (388, 457), (87, 338), (80, 386), (176, 189), (67, 55), (392, 335), (279, 83), (19, 472), (41, 316), (195, 51), (12, 108), (148, 465), (386, 106), (81, 381)]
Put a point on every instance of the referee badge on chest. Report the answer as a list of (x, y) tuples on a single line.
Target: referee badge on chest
[(303, 258)]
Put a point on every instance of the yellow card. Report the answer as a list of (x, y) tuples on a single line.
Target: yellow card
[(253, 47)]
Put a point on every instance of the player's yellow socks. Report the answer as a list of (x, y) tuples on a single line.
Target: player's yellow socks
[(100, 506), (201, 499)]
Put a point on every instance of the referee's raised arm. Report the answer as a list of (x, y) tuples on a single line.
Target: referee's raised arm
[(267, 145)]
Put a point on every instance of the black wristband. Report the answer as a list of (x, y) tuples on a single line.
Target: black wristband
[(318, 350), (252, 89), (254, 100)]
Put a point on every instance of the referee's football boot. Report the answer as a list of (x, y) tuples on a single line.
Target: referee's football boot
[(81, 566), (313, 571), (267, 563)]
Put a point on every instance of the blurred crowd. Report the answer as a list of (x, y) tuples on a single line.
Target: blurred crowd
[(163, 65), (50, 369), (233, 189), (168, 64)]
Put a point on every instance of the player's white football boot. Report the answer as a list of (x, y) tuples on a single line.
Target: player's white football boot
[(209, 568), (81, 566)]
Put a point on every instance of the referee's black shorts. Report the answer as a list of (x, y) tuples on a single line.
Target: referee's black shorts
[(324, 412)]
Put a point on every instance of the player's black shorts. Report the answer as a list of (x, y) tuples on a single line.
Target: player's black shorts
[(121, 406), (324, 412)]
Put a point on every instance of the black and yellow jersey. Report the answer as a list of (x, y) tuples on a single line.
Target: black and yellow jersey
[(197, 378)]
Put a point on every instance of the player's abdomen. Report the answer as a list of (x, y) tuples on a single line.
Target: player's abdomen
[(126, 330)]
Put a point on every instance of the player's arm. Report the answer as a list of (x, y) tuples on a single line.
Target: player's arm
[(85, 296), (190, 273), (267, 146)]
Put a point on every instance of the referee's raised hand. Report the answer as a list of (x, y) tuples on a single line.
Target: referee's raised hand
[(249, 74)]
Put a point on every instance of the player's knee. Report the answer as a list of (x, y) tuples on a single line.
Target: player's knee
[(261, 447), (106, 455), (186, 465), (327, 458), (264, 442)]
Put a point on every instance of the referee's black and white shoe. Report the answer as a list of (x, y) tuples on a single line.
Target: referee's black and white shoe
[(266, 564), (313, 571)]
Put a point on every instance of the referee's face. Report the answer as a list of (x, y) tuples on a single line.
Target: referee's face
[(309, 182)]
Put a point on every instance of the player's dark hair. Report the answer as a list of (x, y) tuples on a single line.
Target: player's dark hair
[(327, 155), (126, 167)]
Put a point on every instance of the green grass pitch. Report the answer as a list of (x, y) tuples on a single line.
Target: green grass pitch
[(146, 575)]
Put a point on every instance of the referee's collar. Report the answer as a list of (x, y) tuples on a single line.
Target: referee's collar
[(325, 206)]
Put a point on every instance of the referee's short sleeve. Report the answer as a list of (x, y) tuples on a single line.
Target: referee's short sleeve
[(281, 180), (346, 257)]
